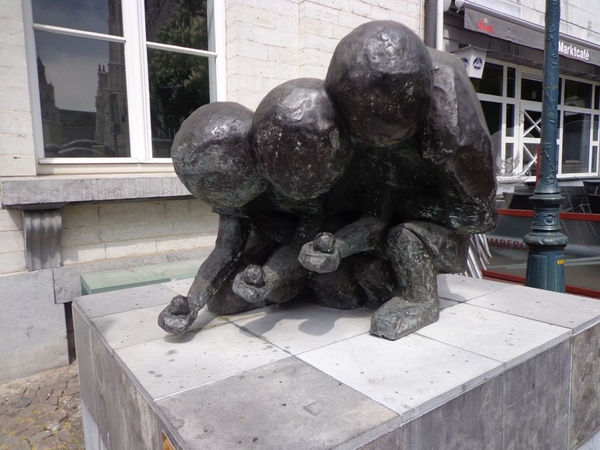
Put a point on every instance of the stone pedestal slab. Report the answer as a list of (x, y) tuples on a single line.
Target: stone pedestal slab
[(505, 367)]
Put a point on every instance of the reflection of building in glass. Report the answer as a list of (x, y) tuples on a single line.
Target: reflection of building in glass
[(103, 131), (111, 95), (51, 125)]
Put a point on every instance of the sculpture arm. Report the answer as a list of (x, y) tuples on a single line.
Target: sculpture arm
[(281, 272), (326, 251), (232, 235)]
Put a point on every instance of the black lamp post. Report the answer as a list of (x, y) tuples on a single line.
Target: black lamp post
[(545, 260)]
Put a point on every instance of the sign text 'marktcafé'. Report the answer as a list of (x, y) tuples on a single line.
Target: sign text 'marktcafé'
[(573, 51)]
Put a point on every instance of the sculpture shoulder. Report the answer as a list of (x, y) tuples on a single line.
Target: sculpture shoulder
[(455, 137)]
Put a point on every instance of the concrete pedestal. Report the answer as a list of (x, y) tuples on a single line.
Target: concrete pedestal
[(505, 367)]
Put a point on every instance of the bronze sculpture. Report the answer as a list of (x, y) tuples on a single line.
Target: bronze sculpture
[(386, 165)]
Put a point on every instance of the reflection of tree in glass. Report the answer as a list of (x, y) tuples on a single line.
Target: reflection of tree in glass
[(178, 82)]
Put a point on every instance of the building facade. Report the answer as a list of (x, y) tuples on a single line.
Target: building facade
[(92, 94)]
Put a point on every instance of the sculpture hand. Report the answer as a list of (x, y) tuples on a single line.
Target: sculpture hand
[(321, 255), (252, 285), (177, 317)]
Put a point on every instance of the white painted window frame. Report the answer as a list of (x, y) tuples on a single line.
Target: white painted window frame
[(138, 91)]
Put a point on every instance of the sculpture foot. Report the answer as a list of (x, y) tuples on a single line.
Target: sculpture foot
[(177, 317), (251, 284), (399, 317)]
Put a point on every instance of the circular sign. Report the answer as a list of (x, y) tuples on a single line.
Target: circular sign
[(478, 64)]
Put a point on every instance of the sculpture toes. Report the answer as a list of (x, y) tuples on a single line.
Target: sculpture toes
[(399, 317)]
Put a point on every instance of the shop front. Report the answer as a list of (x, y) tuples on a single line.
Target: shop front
[(510, 90)]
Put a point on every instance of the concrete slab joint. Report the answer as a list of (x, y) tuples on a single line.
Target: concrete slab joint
[(42, 233)]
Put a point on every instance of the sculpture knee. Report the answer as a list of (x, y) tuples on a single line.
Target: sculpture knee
[(403, 244)]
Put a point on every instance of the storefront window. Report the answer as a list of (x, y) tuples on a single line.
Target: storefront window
[(576, 142), (531, 90), (510, 120), (511, 82), (491, 81), (578, 94)]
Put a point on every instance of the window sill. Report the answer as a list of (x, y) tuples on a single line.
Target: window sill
[(49, 192)]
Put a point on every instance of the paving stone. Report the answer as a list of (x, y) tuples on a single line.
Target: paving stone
[(64, 435), (50, 443), (23, 426), (42, 395), (23, 402), (71, 390)]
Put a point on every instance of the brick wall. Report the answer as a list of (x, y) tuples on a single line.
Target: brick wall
[(270, 42)]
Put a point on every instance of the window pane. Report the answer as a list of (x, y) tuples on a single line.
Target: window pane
[(597, 97), (508, 164), (578, 94), (100, 16), (177, 22), (491, 80), (178, 86), (531, 90), (510, 120), (594, 159), (576, 142), (82, 96), (511, 82)]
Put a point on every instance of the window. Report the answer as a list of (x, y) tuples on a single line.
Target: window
[(116, 78), (511, 99)]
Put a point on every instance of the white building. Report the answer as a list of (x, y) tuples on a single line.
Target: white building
[(90, 97)]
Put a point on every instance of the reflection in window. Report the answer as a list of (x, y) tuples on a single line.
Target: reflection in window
[(178, 86), (578, 94), (508, 164), (531, 90), (576, 142), (178, 82), (177, 22), (491, 80), (82, 96), (99, 16)]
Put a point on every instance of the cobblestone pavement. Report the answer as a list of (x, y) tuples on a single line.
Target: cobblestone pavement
[(42, 412)]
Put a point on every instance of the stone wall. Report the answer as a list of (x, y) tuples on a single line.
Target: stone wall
[(270, 42), (16, 133), (108, 231)]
